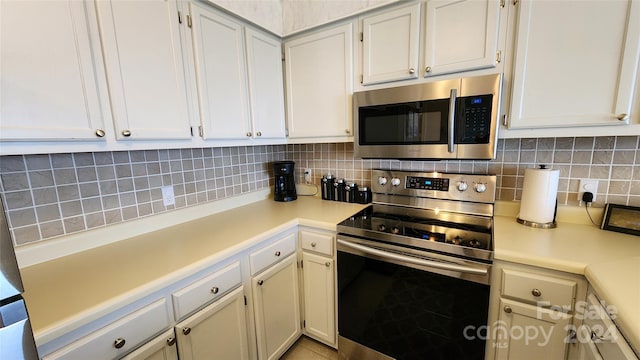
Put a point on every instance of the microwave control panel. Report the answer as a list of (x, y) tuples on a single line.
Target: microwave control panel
[(475, 126)]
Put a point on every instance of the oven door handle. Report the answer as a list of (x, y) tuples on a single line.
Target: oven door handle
[(414, 260)]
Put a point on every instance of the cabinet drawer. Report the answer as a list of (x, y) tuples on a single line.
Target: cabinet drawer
[(273, 253), (128, 333), (315, 241), (536, 288), (205, 290)]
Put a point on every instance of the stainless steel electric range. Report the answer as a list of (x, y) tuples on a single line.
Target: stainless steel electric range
[(414, 267)]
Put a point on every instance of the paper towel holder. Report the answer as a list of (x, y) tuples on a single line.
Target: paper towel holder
[(539, 225)]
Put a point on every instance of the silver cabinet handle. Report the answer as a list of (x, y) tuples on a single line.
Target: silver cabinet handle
[(327, 264), (622, 117), (215, 290), (313, 244), (186, 330), (412, 71), (451, 124), (119, 343), (259, 133), (427, 69), (171, 341), (100, 133), (126, 133), (249, 134), (413, 260), (508, 309), (536, 292), (260, 282), (277, 253)]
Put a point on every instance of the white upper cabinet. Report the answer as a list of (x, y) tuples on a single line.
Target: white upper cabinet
[(50, 72), (221, 75), (319, 84), (575, 63), (460, 35), (239, 78), (390, 43), (145, 70), (266, 84)]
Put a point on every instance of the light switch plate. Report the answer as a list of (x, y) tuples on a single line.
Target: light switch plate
[(587, 185)]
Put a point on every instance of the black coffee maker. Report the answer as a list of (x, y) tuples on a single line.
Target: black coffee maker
[(285, 185)]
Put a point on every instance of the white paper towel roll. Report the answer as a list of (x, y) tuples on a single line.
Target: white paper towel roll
[(539, 195)]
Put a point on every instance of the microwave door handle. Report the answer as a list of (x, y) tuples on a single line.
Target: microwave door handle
[(452, 117), (414, 260)]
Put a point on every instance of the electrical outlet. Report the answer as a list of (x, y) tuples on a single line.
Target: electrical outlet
[(167, 196), (307, 176), (587, 185)]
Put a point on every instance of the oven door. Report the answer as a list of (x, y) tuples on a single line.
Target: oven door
[(407, 306)]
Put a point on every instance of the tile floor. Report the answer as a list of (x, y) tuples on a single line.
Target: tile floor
[(308, 349)]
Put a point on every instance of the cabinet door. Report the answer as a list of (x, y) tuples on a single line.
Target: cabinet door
[(575, 63), (277, 311), (319, 297), (145, 70), (526, 332), (461, 35), (266, 87), (221, 75), (49, 82), (162, 347), (390, 43), (219, 331), (318, 69)]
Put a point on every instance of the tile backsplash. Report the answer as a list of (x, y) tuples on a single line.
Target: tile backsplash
[(47, 196)]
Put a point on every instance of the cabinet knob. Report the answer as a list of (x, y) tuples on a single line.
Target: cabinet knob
[(622, 117), (215, 290), (100, 133), (277, 253), (259, 133), (186, 330), (508, 309), (536, 292), (427, 69), (126, 133), (327, 264), (412, 71), (171, 341), (313, 244), (119, 343), (347, 131), (260, 282), (249, 134)]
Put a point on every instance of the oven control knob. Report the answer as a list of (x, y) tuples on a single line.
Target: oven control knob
[(480, 187), (382, 180), (381, 227), (395, 181), (395, 230), (462, 186)]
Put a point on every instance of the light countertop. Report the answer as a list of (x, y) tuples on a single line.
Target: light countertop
[(68, 292), (609, 260)]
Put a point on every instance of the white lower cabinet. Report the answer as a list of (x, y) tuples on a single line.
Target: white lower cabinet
[(532, 312), (276, 306), (319, 285), (118, 338), (162, 347), (218, 331), (319, 297), (531, 332)]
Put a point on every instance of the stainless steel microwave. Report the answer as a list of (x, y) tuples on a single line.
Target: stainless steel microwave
[(447, 119)]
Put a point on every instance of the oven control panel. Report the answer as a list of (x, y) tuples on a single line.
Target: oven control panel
[(480, 188), (427, 183)]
